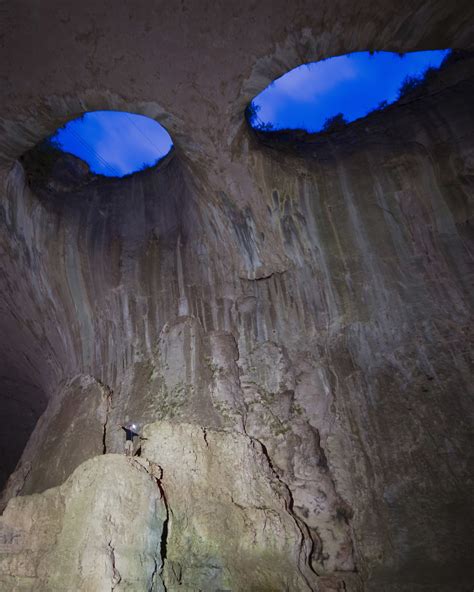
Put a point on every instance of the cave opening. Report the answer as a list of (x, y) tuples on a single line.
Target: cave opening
[(112, 143), (329, 94)]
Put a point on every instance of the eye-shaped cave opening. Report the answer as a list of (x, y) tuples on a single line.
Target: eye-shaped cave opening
[(97, 145), (328, 95)]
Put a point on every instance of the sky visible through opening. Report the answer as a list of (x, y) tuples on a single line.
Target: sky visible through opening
[(351, 84), (114, 143)]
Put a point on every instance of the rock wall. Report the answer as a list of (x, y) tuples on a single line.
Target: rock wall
[(306, 302)]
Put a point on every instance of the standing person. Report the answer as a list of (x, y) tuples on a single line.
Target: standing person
[(130, 435)]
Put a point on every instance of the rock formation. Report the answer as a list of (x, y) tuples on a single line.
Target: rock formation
[(101, 529), (288, 317)]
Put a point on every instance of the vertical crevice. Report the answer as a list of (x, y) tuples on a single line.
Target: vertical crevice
[(107, 392), (116, 577), (306, 543), (156, 472), (164, 535)]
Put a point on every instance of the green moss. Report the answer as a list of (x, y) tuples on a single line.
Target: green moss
[(153, 374), (267, 398), (224, 410), (214, 368), (167, 404), (297, 409)]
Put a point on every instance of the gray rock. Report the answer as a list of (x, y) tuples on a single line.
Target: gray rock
[(100, 530), (231, 522)]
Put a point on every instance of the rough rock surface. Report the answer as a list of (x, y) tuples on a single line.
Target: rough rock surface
[(314, 294), (101, 530), (72, 431), (231, 524)]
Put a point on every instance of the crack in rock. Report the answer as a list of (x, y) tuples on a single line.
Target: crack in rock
[(116, 577), (107, 392), (156, 473), (306, 543)]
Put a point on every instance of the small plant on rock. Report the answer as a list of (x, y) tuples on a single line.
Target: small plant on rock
[(251, 112), (409, 84), (335, 123)]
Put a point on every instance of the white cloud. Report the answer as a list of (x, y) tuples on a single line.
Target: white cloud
[(305, 83), (126, 145)]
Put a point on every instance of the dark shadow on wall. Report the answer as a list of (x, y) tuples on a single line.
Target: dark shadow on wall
[(21, 405)]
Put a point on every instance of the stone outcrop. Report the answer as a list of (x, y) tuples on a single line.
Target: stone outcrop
[(72, 430), (308, 297), (101, 530)]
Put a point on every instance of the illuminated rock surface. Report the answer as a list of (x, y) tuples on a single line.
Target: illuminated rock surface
[(231, 525), (311, 294), (100, 530)]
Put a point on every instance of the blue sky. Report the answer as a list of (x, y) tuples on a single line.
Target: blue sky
[(115, 143), (351, 84)]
